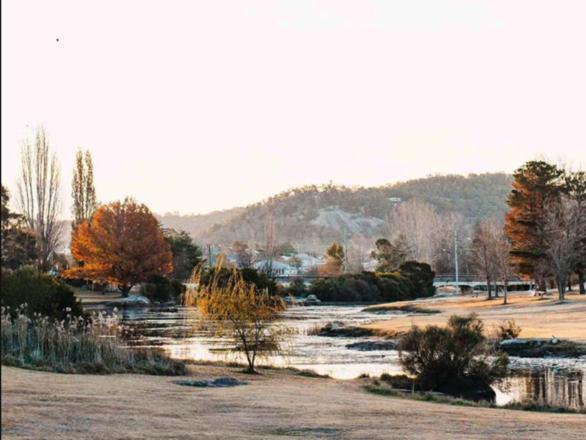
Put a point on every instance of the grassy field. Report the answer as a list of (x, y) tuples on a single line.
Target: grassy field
[(538, 317), (274, 405)]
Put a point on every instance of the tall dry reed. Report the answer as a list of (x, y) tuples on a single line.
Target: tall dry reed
[(76, 345)]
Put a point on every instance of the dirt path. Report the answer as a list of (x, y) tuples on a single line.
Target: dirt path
[(278, 404), (537, 317)]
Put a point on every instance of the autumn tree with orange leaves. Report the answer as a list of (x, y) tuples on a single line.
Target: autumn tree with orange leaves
[(123, 245)]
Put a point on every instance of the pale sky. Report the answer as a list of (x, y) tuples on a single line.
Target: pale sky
[(192, 106)]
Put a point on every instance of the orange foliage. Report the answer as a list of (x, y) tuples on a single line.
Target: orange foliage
[(123, 244)]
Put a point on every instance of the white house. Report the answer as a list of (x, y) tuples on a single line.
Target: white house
[(278, 268)]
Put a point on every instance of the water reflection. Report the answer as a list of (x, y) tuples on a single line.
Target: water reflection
[(545, 386), (182, 337)]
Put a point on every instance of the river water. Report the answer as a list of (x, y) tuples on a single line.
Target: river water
[(559, 382)]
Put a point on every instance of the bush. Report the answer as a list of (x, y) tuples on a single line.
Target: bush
[(507, 329), (76, 345), (297, 287), (161, 289), (454, 360), (412, 280), (39, 293), (421, 276)]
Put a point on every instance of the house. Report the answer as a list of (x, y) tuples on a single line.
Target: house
[(277, 268)]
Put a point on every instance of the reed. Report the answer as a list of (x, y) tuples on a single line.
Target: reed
[(76, 345)]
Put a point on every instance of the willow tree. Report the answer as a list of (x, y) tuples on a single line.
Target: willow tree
[(39, 195), (537, 187), (83, 191), (240, 310)]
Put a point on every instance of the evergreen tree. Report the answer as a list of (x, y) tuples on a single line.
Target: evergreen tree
[(186, 254), (18, 242), (390, 255), (537, 186)]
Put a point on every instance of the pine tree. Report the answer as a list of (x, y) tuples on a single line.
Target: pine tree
[(537, 186)]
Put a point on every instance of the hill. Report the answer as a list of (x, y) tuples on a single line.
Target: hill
[(198, 224), (311, 217)]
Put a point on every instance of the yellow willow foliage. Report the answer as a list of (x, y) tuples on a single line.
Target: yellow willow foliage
[(239, 309)]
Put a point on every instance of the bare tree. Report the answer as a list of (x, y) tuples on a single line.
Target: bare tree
[(484, 251), (39, 195), (270, 245), (502, 261), (564, 228), (357, 253), (575, 186), (429, 236), (418, 222)]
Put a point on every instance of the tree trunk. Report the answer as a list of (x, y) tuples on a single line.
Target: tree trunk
[(505, 291), (561, 288), (489, 288), (542, 286), (569, 283), (581, 283), (496, 290)]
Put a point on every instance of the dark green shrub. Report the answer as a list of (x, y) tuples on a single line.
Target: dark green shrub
[(412, 280), (297, 287), (421, 276), (41, 293), (455, 360), (161, 289)]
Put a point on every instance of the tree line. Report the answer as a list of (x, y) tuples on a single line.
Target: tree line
[(119, 243)]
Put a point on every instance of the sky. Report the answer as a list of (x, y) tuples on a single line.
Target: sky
[(193, 106)]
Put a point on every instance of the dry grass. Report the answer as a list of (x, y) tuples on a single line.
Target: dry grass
[(274, 405), (76, 345), (537, 317)]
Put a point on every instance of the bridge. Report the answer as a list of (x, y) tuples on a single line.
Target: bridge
[(440, 280), (474, 283)]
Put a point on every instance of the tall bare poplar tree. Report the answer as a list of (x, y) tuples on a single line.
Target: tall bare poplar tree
[(82, 189), (39, 195), (575, 187), (564, 229)]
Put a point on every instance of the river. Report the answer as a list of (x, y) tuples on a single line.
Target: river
[(559, 382)]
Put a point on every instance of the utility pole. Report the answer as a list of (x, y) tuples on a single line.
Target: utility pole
[(456, 255)]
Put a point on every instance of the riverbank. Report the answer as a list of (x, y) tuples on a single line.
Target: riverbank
[(538, 317), (276, 404)]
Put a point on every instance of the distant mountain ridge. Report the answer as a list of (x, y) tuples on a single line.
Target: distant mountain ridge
[(311, 217)]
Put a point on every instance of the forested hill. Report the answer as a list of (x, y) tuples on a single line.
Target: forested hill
[(310, 217), (197, 225)]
